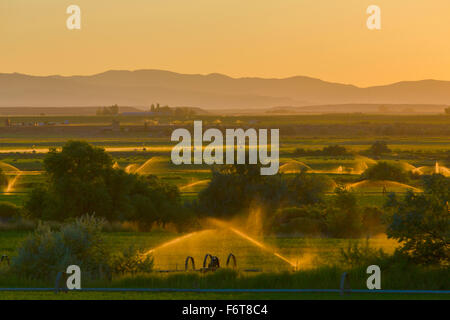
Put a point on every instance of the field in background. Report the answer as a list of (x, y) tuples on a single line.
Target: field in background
[(142, 144)]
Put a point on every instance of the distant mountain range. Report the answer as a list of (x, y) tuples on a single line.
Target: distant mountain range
[(141, 88)]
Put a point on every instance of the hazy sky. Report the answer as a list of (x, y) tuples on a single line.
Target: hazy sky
[(327, 39)]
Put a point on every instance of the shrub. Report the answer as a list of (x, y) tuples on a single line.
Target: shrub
[(343, 216), (331, 151), (307, 220), (131, 260), (357, 254), (46, 252), (334, 150), (373, 221)]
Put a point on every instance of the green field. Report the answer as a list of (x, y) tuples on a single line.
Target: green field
[(416, 142), (304, 253), (326, 274)]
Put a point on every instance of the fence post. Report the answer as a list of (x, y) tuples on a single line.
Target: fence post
[(345, 284), (61, 276), (186, 263)]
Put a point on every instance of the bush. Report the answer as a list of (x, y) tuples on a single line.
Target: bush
[(46, 252), (373, 221), (361, 255), (331, 151), (132, 261), (343, 216), (307, 220)]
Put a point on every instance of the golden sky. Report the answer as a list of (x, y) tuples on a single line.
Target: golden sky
[(327, 39)]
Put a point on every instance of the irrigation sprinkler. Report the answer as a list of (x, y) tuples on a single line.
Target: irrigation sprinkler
[(231, 256), (213, 264), (186, 263)]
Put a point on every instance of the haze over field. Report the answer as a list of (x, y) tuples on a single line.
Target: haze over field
[(325, 39), (212, 91)]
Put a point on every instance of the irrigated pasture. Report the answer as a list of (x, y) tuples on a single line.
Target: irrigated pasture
[(270, 254), (419, 145)]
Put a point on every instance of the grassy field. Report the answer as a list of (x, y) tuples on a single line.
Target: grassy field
[(324, 274), (302, 252), (415, 140)]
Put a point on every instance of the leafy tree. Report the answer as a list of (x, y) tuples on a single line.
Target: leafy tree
[(421, 222), (343, 216), (306, 189), (447, 110), (385, 171), (334, 150), (379, 148), (235, 188), (81, 180), (76, 181)]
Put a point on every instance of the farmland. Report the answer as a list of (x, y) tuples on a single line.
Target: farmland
[(418, 143)]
